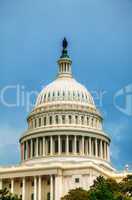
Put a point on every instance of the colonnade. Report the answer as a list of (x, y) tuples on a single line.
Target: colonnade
[(52, 193), (61, 145)]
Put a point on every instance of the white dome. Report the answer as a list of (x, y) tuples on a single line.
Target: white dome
[(65, 89)]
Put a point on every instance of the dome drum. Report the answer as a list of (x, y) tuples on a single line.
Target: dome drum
[(65, 145)]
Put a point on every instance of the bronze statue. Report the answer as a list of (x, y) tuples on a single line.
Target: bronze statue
[(64, 43)]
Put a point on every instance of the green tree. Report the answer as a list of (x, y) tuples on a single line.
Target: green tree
[(5, 195), (126, 186), (101, 190), (77, 194), (104, 189)]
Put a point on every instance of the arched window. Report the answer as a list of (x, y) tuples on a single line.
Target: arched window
[(44, 121), (63, 95), (69, 95), (88, 121), (82, 120), (56, 119), (35, 123), (63, 119), (76, 119), (70, 119), (48, 96), (74, 95), (92, 122), (53, 96), (39, 121), (50, 120), (45, 97)]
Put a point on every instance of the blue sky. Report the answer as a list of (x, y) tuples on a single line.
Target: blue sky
[(100, 44)]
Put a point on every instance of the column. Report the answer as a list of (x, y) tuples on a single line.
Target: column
[(75, 144), (108, 152), (1, 184), (82, 145), (35, 188), (12, 186), (58, 190), (26, 150), (51, 145), (51, 187), (43, 146), (23, 189), (101, 149), (40, 188), (96, 147), (59, 145), (31, 148), (90, 153), (22, 152), (86, 146), (67, 145), (36, 147), (105, 150)]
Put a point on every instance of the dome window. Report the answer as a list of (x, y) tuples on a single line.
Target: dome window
[(78, 96), (82, 120), (44, 121), (63, 95), (76, 119), (39, 121), (50, 120), (63, 119), (49, 96), (56, 119), (87, 120), (69, 95), (53, 96), (92, 122), (74, 95), (70, 119), (35, 123)]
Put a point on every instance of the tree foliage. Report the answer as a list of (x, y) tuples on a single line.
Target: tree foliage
[(77, 194), (5, 195), (104, 189)]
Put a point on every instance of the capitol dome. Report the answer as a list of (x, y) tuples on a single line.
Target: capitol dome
[(65, 89), (65, 125)]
